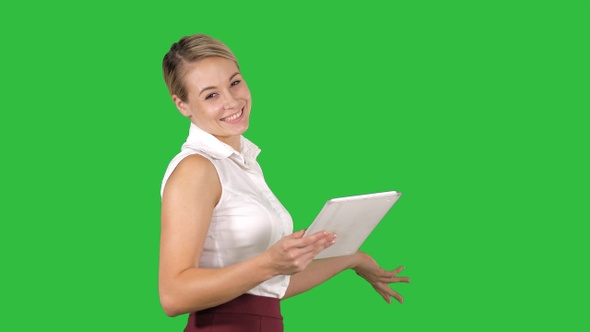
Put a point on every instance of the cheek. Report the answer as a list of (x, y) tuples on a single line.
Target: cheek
[(207, 112), (245, 92)]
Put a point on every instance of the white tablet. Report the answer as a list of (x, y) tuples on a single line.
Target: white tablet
[(353, 218)]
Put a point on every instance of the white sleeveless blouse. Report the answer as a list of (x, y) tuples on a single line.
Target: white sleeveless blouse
[(248, 218)]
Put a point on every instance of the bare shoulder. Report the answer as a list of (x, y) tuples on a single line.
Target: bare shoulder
[(194, 176), (195, 164)]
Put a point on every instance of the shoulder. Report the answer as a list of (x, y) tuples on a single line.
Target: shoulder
[(192, 175), (194, 163)]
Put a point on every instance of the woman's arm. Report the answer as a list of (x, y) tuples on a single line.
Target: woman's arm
[(319, 271), (190, 195), (364, 265)]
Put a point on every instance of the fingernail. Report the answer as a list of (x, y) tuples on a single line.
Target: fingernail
[(335, 235)]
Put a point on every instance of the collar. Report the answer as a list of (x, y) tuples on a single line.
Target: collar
[(202, 141)]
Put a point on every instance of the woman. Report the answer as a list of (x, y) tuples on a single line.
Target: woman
[(227, 252)]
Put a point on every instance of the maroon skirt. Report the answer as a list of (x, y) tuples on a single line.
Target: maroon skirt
[(246, 313)]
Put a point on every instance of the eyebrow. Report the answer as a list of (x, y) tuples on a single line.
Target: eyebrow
[(212, 87)]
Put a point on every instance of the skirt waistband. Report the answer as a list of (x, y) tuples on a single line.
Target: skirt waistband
[(250, 305)]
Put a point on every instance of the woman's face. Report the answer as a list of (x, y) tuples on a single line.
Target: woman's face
[(218, 101)]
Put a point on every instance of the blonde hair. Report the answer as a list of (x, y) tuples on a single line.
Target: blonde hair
[(190, 49)]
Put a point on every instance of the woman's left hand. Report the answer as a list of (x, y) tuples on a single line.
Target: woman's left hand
[(378, 277)]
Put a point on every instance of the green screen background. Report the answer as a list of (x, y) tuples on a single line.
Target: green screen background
[(478, 111)]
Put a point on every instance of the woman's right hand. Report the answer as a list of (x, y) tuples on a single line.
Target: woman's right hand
[(294, 252)]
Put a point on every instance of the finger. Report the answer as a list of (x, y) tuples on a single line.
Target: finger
[(321, 235), (398, 270), (298, 241), (317, 239), (389, 275), (386, 297), (312, 249), (394, 279), (316, 247), (324, 245), (299, 234), (327, 241), (396, 295)]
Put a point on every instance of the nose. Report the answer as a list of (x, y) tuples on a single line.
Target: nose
[(230, 101)]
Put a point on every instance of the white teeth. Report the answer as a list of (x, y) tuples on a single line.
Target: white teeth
[(233, 117)]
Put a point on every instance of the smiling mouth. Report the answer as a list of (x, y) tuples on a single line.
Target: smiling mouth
[(233, 116)]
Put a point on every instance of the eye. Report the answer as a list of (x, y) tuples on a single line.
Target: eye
[(236, 82), (209, 96)]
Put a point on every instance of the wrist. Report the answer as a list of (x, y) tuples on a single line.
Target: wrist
[(357, 259), (266, 265)]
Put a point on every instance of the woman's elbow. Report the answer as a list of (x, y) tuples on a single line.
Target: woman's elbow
[(170, 305), (171, 311)]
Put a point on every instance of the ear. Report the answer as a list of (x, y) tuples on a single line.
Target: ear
[(181, 106)]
